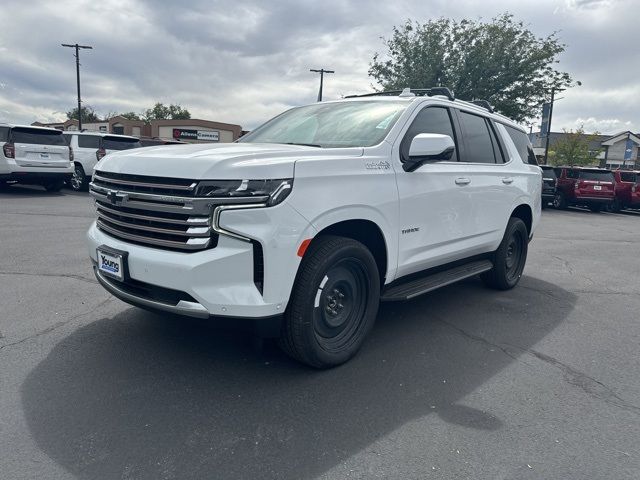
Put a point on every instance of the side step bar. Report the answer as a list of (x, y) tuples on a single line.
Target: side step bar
[(415, 287)]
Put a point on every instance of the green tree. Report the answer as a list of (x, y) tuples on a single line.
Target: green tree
[(501, 61), (130, 115), (574, 149), (88, 114), (161, 111)]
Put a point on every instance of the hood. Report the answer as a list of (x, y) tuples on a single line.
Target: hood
[(217, 161)]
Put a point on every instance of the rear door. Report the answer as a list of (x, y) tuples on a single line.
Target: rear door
[(493, 183), (87, 151), (37, 147)]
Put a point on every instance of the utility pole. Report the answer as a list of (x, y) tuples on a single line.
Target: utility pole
[(77, 55), (322, 71), (546, 148)]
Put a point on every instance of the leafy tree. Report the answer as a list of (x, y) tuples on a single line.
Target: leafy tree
[(501, 61), (161, 112), (88, 114), (574, 149), (130, 115)]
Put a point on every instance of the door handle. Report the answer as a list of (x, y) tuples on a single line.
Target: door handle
[(507, 180), (462, 181)]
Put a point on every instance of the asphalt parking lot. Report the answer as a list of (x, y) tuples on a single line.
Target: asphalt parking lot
[(537, 383)]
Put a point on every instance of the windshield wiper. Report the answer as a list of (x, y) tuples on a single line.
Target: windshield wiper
[(303, 144)]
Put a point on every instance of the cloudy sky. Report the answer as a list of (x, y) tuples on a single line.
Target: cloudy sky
[(243, 62)]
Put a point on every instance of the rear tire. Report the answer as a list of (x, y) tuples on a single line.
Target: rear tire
[(54, 186), (616, 206), (78, 182), (595, 208), (510, 257), (333, 304), (559, 201)]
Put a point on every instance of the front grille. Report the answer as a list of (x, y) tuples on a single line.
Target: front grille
[(144, 184), (147, 211)]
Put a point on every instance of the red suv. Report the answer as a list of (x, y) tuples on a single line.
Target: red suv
[(627, 190), (588, 187)]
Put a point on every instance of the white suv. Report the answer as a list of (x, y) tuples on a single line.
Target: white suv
[(88, 148), (309, 221), (34, 155)]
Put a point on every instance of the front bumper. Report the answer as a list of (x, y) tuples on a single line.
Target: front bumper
[(219, 281)]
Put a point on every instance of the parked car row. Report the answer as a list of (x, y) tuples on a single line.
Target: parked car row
[(594, 188), (51, 157)]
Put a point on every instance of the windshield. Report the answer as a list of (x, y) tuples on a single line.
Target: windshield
[(602, 176), (327, 125)]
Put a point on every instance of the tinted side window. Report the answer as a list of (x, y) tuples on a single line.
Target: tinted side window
[(548, 173), (478, 139), (628, 176), (4, 134), (36, 136), (522, 143), (89, 141), (429, 120)]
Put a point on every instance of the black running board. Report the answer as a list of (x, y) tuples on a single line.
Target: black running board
[(415, 287)]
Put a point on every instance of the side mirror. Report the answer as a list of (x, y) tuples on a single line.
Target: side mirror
[(428, 147)]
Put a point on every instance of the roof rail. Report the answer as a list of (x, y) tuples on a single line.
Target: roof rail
[(419, 92), (484, 104)]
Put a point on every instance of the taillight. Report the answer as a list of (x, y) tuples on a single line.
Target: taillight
[(70, 154), (100, 153), (555, 183), (9, 150)]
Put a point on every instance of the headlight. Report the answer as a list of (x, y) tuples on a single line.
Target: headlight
[(275, 190)]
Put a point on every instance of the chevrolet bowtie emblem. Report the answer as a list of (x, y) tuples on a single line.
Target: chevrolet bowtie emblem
[(117, 197)]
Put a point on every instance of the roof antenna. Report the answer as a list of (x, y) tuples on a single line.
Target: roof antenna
[(406, 92)]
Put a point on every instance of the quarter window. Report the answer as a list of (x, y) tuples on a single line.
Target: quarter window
[(480, 146), (429, 120), (522, 143)]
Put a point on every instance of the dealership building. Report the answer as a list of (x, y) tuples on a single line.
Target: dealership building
[(609, 151), (191, 131)]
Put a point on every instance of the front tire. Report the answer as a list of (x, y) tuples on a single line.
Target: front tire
[(79, 181), (510, 257), (333, 304)]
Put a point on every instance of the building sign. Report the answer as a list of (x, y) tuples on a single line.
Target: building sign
[(544, 126), (205, 135), (628, 149)]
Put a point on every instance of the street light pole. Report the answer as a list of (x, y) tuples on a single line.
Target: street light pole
[(77, 55), (546, 148), (322, 71)]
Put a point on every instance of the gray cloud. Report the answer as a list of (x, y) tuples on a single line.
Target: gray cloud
[(244, 62)]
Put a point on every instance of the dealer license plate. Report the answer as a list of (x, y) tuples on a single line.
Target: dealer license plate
[(597, 187), (111, 264)]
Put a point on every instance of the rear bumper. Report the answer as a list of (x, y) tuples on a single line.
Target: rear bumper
[(35, 177), (592, 200)]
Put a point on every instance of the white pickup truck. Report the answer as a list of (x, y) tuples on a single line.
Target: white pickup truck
[(311, 220)]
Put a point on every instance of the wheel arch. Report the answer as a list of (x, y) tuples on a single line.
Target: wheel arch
[(524, 213)]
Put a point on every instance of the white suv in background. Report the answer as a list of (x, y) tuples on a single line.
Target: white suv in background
[(34, 155), (312, 219), (88, 148)]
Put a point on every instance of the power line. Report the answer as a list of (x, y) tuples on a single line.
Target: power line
[(77, 55)]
